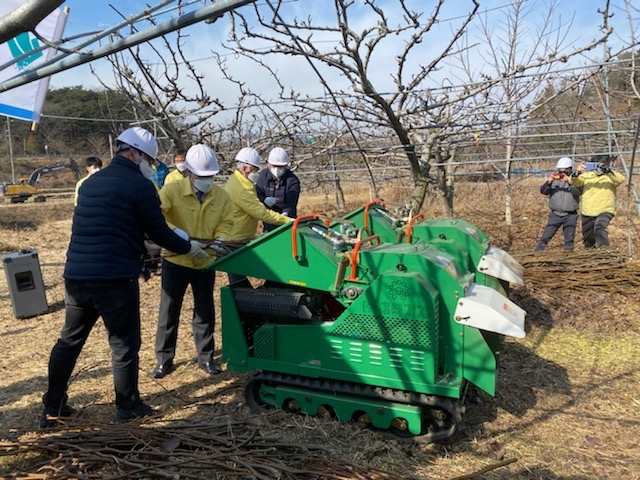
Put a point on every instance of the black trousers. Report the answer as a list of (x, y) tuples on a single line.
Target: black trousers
[(568, 223), (117, 302), (594, 230), (175, 280)]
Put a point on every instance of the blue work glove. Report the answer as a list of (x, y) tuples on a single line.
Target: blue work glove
[(270, 201)]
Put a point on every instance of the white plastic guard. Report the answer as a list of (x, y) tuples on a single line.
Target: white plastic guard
[(487, 309), (499, 264)]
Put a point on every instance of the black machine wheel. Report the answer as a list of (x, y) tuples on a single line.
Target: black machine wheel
[(443, 427), (327, 412), (252, 396), (439, 423), (399, 428)]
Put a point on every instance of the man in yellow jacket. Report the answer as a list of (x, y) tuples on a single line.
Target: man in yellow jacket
[(93, 165), (195, 208), (598, 182), (247, 209), (180, 171)]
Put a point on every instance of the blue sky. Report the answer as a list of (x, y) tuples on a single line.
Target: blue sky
[(578, 22)]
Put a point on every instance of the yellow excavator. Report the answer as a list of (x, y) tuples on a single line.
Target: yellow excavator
[(27, 187)]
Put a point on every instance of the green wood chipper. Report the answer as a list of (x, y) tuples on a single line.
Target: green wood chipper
[(347, 319)]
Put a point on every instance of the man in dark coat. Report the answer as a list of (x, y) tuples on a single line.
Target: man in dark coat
[(116, 207), (564, 200), (278, 187)]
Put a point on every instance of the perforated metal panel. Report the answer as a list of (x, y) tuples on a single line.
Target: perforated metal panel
[(268, 302), (409, 332), (263, 346)]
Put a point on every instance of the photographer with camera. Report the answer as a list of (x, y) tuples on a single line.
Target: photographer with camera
[(599, 183), (564, 200)]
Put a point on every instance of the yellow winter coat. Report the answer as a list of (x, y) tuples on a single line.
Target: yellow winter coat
[(78, 183), (247, 209), (209, 220), (173, 175), (599, 192)]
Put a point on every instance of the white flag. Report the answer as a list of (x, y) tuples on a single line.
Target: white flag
[(25, 102)]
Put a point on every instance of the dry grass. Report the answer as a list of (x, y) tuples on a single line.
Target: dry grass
[(568, 393)]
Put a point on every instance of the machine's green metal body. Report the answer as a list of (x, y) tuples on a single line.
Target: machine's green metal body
[(455, 236), (364, 315)]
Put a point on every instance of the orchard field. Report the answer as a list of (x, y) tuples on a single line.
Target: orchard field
[(566, 406)]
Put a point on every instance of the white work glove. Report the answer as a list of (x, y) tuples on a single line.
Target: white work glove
[(270, 201), (221, 250), (197, 251), (152, 248), (181, 233)]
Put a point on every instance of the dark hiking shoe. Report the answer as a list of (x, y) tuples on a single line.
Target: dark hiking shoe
[(212, 368), (162, 370), (139, 410), (52, 417)]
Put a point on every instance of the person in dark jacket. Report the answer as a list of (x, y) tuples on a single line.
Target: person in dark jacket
[(116, 207), (278, 187), (564, 200)]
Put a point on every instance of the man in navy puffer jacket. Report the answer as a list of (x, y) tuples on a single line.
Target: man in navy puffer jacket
[(116, 207), (278, 187)]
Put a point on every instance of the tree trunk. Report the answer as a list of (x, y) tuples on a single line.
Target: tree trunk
[(444, 184), (340, 204), (508, 186), (421, 184)]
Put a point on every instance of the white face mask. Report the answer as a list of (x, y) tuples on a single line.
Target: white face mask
[(94, 170), (203, 184), (146, 169), (180, 167), (277, 171), (253, 176)]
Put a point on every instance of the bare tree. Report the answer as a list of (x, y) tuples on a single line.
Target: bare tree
[(424, 121), (521, 52), (354, 54), (164, 88)]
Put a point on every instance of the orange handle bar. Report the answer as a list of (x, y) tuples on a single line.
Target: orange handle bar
[(420, 217), (294, 229), (366, 210), (356, 252)]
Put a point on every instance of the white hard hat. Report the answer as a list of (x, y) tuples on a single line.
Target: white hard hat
[(201, 160), (278, 157), (564, 162), (249, 155), (140, 139)]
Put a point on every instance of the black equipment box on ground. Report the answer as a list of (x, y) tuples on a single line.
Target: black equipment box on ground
[(26, 287)]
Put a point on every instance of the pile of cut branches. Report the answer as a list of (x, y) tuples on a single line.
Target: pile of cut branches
[(602, 270), (226, 449)]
